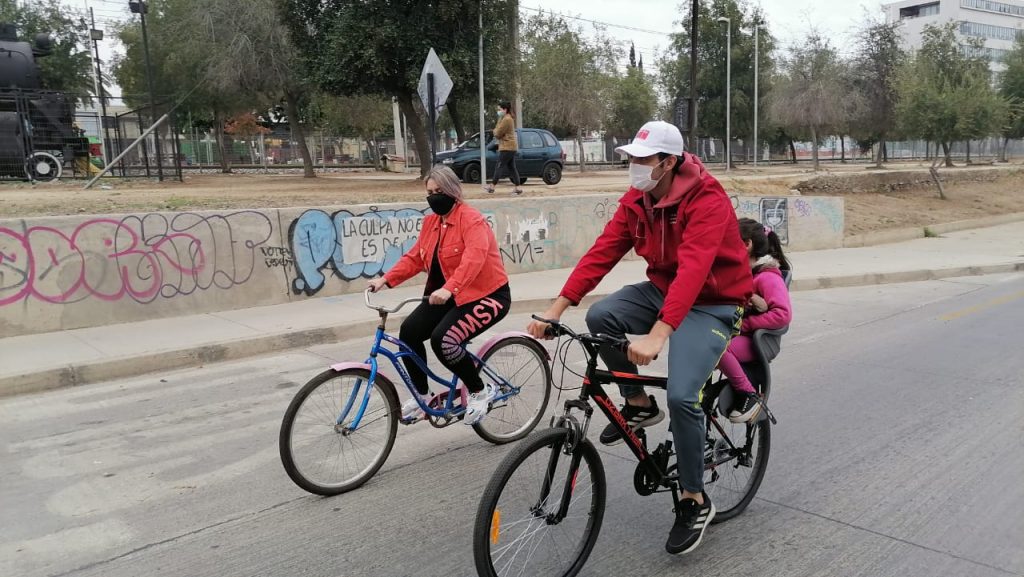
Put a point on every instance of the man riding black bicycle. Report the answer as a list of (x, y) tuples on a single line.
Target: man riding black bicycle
[(679, 219)]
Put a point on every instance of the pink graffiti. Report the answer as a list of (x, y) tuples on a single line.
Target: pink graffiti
[(102, 258)]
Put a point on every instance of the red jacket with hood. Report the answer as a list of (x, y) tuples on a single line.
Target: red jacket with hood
[(690, 240)]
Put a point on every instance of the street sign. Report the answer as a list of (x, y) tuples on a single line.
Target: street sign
[(442, 83)]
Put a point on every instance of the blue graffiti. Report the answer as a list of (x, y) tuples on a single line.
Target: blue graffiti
[(319, 241)]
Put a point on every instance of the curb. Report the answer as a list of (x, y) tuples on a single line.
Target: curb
[(911, 233), (74, 375), (87, 373)]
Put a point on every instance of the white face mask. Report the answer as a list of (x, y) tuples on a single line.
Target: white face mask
[(640, 176)]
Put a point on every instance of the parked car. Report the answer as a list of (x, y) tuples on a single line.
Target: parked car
[(540, 155)]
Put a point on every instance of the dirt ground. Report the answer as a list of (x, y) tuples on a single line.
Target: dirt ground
[(901, 196)]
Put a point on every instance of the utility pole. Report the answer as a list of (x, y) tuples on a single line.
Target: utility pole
[(96, 36), (728, 91), (483, 127), (140, 7), (757, 28), (519, 63), (692, 113)]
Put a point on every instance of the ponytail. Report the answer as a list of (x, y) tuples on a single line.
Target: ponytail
[(775, 249)]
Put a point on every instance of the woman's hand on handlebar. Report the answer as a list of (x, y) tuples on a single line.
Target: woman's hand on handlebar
[(541, 329), (377, 284)]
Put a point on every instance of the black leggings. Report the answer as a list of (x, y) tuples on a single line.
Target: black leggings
[(506, 161), (449, 326)]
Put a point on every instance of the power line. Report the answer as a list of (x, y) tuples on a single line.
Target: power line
[(599, 22)]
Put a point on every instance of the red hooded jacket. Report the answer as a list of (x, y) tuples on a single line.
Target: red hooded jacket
[(690, 240)]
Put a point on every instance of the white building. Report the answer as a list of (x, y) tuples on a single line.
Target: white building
[(997, 23)]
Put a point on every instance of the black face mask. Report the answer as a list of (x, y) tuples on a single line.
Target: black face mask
[(441, 204)]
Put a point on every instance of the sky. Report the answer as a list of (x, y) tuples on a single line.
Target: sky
[(646, 23)]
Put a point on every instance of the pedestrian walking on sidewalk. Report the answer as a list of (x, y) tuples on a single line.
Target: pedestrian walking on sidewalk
[(508, 148)]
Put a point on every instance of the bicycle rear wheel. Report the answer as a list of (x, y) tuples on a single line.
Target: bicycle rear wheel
[(321, 454), (522, 363), (521, 527), (733, 474)]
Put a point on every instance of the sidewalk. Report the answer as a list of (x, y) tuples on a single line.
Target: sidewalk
[(68, 358)]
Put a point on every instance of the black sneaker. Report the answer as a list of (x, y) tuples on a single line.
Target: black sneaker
[(637, 417), (691, 522), (746, 408)]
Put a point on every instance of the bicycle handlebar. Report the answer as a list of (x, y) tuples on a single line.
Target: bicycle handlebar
[(556, 328), (398, 307)]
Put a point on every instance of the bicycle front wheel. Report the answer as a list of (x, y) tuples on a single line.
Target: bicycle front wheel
[(521, 363), (320, 449), (734, 464), (541, 511)]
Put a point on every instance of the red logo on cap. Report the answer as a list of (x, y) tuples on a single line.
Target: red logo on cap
[(642, 135)]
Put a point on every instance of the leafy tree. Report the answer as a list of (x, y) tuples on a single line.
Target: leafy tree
[(811, 95), (711, 66), (1011, 88), (945, 94), (567, 77), (874, 72), (633, 102), (353, 47), (68, 68)]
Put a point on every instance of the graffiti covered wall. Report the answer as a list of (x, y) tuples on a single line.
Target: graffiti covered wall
[(79, 271)]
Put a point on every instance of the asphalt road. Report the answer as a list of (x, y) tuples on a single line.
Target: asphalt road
[(897, 453)]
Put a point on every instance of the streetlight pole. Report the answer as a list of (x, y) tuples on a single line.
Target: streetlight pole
[(140, 7), (483, 127), (97, 35), (728, 91), (757, 151), (692, 120)]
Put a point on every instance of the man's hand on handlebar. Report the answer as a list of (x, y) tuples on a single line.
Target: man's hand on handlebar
[(540, 329), (377, 284)]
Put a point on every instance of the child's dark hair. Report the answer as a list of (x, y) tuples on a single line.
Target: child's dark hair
[(763, 241)]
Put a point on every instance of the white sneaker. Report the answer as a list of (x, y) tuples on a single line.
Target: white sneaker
[(476, 408), (411, 410)]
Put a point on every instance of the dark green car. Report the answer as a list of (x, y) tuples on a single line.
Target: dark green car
[(540, 155)]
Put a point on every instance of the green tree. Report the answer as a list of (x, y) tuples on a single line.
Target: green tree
[(354, 47), (633, 103), (68, 68), (567, 77), (1011, 88), (811, 94), (875, 66), (711, 66), (945, 93), (179, 67)]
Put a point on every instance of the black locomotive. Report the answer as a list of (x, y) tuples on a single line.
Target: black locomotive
[(37, 131)]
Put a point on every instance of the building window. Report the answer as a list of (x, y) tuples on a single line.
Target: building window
[(990, 6), (930, 9), (989, 31)]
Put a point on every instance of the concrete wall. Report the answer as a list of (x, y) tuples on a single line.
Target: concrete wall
[(79, 271)]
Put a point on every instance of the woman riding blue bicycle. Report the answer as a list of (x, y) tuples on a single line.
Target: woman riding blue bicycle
[(467, 290)]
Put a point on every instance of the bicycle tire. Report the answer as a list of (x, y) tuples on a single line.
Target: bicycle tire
[(548, 444), (297, 469), (488, 428), (762, 443)]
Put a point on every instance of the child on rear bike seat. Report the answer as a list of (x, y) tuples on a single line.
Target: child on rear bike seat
[(769, 308)]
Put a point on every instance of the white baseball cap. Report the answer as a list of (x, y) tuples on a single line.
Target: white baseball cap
[(654, 137)]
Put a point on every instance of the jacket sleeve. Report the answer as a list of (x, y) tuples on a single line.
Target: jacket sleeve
[(476, 237), (608, 250), (501, 129), (707, 220), (408, 266), (773, 290)]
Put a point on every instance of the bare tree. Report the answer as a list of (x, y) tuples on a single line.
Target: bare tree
[(811, 97), (248, 49)]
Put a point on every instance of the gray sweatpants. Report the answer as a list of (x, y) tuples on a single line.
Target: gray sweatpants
[(694, 350)]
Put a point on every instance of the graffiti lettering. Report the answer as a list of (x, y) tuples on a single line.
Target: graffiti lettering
[(354, 246), (277, 256), (141, 258), (520, 253)]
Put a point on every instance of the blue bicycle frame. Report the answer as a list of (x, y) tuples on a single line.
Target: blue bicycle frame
[(449, 410)]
